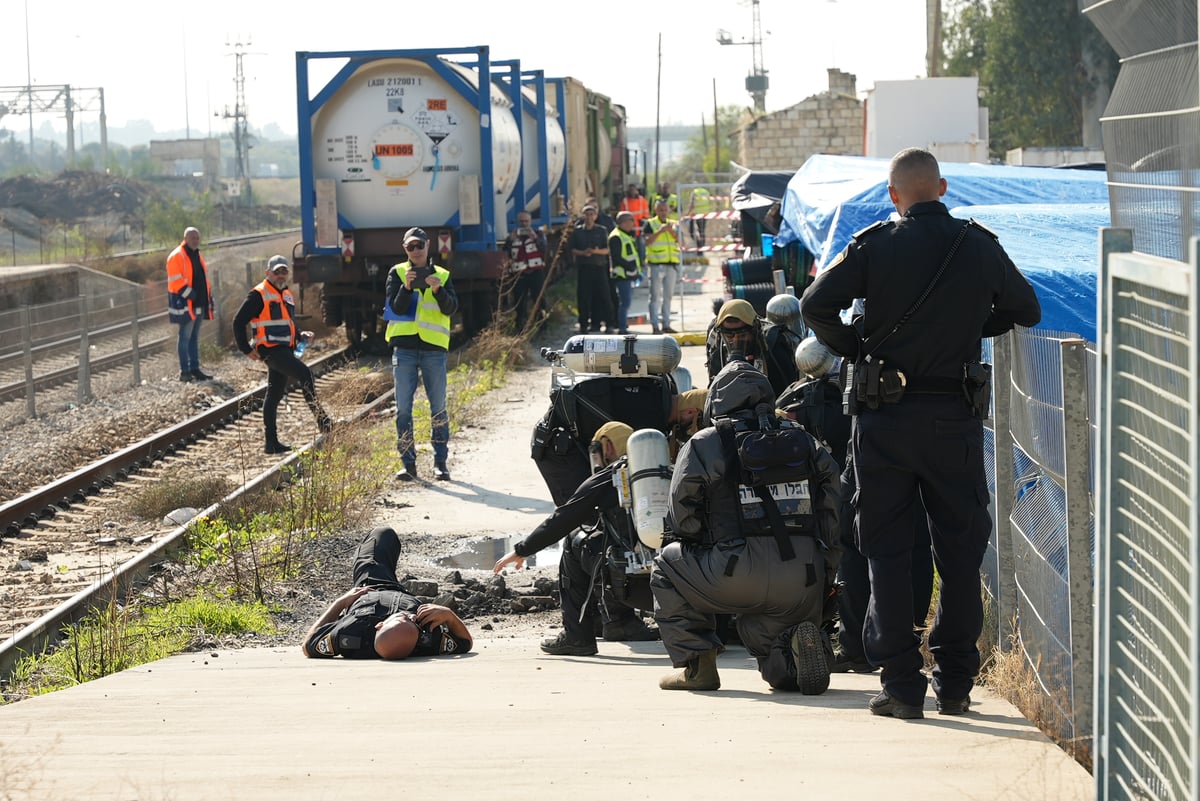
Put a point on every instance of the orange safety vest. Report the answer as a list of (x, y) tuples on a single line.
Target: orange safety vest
[(179, 287), (273, 327), (638, 206)]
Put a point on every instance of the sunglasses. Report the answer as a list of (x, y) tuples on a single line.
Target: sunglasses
[(414, 245), (733, 332)]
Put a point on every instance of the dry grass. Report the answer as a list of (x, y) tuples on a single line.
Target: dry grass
[(1010, 675), (357, 388), (176, 490)]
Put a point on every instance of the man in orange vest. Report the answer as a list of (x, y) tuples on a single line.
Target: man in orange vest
[(268, 311), (189, 300), (636, 204)]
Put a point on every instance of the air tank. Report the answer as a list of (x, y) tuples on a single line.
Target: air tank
[(398, 135), (591, 353), (556, 148), (649, 484)]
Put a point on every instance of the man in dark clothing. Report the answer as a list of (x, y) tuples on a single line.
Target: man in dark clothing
[(584, 553), (922, 444), (527, 256), (738, 330), (268, 311), (754, 516), (589, 246), (377, 618)]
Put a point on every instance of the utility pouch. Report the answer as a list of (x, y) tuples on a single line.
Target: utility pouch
[(618, 578), (875, 384), (977, 388), (540, 442), (561, 442)]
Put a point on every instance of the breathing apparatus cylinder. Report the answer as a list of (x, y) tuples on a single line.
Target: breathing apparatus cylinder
[(590, 353), (649, 484)]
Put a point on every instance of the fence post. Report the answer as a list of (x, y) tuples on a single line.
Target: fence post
[(30, 390), (216, 303), (249, 274), (1006, 582), (1077, 486), (133, 329), (85, 377)]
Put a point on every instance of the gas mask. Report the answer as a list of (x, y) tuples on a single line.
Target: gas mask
[(596, 456)]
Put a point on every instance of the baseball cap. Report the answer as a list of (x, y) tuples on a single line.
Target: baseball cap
[(738, 309), (590, 207), (416, 233), (276, 262), (615, 432)]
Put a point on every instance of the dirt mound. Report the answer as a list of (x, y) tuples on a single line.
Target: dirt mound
[(74, 195)]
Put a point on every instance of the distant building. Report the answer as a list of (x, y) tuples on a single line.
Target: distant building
[(186, 166), (940, 114), (830, 122)]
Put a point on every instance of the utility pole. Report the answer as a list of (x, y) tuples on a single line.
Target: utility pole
[(933, 38), (241, 143), (756, 81)]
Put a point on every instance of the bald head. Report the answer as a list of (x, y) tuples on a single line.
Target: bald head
[(914, 177), (396, 637)]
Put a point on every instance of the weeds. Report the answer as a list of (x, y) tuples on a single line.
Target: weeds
[(176, 490)]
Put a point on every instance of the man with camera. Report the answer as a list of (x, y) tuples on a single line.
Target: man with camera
[(527, 256), (933, 286), (420, 300)]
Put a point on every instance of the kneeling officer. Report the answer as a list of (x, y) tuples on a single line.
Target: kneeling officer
[(754, 505)]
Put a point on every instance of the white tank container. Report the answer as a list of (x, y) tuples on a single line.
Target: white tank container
[(649, 484), (556, 149), (592, 353), (397, 136)]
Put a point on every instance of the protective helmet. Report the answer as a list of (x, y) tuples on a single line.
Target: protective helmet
[(814, 359), (784, 310)]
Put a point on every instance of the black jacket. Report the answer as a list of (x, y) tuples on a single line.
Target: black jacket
[(980, 294)]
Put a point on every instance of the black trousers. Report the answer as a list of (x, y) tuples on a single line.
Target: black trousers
[(525, 291), (375, 560), (854, 572), (585, 593), (593, 295), (282, 367), (925, 451)]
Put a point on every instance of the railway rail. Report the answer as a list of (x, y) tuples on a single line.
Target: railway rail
[(70, 523)]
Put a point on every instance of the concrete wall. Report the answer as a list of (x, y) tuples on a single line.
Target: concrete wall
[(1053, 156), (829, 122)]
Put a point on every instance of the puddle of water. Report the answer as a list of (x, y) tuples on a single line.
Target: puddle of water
[(484, 554)]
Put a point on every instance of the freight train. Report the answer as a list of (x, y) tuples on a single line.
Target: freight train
[(449, 140)]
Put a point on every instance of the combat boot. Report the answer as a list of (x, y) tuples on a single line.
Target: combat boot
[(700, 673)]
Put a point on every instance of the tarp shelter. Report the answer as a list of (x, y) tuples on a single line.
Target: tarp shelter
[(757, 191), (1047, 220)]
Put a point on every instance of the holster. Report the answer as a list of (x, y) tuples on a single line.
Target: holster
[(977, 388)]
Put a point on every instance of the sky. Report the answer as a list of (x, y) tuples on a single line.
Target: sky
[(173, 64)]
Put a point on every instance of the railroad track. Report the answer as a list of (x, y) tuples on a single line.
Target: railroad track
[(71, 547)]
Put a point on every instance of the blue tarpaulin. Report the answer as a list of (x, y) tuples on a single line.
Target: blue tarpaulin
[(1047, 220)]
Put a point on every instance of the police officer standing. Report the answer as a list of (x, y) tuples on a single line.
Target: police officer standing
[(763, 548), (933, 286)]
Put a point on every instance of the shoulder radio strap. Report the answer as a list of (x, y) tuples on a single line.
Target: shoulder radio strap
[(962, 233)]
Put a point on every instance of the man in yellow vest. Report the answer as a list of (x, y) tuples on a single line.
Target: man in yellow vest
[(268, 312), (420, 301), (625, 265), (701, 204), (189, 300), (661, 234)]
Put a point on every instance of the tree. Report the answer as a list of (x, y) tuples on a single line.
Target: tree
[(1029, 57), (700, 154)]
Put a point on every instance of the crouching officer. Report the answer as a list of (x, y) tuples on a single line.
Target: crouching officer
[(754, 514), (377, 618), (585, 555)]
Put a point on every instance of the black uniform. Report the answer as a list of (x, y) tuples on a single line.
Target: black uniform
[(927, 447), (592, 292), (595, 507), (353, 634), (774, 354)]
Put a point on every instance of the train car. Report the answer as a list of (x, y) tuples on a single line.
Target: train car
[(448, 140)]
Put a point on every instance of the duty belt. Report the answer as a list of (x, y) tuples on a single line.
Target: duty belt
[(932, 385)]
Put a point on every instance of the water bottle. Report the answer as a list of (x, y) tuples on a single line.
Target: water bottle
[(301, 346)]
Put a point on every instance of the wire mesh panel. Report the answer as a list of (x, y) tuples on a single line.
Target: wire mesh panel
[(1147, 693)]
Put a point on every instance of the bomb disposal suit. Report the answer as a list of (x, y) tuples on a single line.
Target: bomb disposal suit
[(754, 504)]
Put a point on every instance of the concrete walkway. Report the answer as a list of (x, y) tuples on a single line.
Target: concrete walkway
[(505, 722)]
